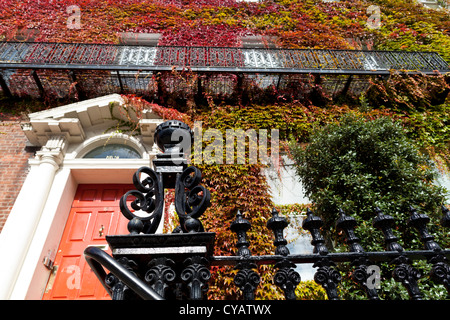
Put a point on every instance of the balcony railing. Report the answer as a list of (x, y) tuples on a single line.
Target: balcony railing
[(74, 56), (52, 69)]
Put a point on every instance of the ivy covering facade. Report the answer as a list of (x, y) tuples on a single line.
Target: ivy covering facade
[(419, 103)]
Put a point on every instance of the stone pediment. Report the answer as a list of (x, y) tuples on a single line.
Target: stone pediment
[(79, 120)]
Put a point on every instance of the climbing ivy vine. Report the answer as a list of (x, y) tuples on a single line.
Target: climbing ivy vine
[(418, 103)]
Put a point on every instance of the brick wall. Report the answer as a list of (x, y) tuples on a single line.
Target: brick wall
[(13, 165)]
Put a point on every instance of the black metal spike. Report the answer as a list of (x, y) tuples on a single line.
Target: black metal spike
[(240, 226), (313, 224), (445, 221), (419, 221), (277, 224), (348, 224), (384, 223)]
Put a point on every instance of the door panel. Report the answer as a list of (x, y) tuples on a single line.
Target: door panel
[(102, 224), (100, 195), (78, 225), (66, 277), (95, 213)]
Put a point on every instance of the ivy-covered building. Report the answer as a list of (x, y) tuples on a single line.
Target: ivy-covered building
[(85, 83)]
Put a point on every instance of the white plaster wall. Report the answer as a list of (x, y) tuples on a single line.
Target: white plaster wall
[(443, 180), (287, 189)]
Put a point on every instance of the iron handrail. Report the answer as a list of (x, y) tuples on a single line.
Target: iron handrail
[(98, 259)]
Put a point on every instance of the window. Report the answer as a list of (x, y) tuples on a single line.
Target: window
[(141, 39), (113, 151)]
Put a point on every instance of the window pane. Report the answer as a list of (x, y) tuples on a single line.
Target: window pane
[(113, 151)]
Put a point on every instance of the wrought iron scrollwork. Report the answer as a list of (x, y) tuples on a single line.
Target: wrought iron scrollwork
[(362, 274), (328, 277), (405, 273), (191, 199), (196, 275), (160, 275), (149, 198), (440, 272), (247, 280), (119, 290), (158, 266), (287, 278)]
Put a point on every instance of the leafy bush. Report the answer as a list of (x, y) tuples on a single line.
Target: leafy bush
[(358, 165), (309, 290)]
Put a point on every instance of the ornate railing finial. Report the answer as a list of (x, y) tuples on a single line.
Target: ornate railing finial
[(419, 221), (445, 220), (360, 275), (313, 224), (240, 226), (348, 224), (384, 223), (277, 224)]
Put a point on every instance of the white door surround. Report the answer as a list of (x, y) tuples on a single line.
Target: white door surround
[(36, 222)]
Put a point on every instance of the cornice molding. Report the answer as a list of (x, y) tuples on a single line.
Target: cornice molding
[(75, 120)]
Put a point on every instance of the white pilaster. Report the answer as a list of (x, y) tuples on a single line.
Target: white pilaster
[(18, 232)]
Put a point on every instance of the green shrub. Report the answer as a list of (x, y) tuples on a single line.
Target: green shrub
[(358, 165)]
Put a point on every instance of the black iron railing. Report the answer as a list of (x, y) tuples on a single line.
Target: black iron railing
[(177, 265)]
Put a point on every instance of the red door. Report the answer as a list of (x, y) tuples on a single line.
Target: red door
[(95, 213)]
